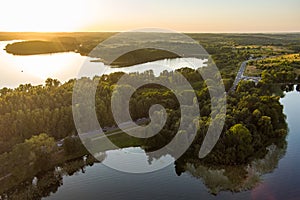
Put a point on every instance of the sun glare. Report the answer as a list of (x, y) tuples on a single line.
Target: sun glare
[(44, 16), (122, 15)]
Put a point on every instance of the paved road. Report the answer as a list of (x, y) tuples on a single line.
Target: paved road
[(111, 134), (98, 134), (240, 75)]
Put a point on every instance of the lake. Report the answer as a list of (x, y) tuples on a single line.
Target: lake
[(272, 177), (35, 69)]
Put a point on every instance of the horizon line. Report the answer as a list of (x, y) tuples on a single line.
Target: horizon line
[(204, 32)]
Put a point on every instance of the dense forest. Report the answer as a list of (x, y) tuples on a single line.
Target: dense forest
[(254, 116)]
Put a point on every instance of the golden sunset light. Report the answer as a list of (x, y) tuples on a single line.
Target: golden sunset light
[(149, 99), (183, 16)]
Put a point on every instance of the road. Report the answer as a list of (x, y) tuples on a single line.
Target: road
[(110, 134), (98, 134), (240, 75), (6, 176)]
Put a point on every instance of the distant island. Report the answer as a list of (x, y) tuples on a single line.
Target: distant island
[(38, 47)]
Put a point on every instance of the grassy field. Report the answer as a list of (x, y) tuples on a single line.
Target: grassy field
[(118, 138), (251, 70), (255, 68)]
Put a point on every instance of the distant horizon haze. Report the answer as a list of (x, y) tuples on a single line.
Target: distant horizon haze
[(191, 16)]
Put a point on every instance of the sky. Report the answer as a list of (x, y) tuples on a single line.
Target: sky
[(124, 15)]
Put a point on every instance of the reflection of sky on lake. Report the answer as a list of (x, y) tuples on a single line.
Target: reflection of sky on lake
[(35, 69)]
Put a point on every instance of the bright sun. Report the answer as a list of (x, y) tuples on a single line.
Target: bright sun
[(36, 15)]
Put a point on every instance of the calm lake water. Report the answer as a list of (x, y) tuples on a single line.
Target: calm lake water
[(35, 69), (274, 177)]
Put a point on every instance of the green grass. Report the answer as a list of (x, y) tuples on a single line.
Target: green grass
[(121, 140)]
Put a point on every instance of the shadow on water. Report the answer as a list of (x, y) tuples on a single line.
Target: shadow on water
[(46, 183), (232, 178), (215, 178)]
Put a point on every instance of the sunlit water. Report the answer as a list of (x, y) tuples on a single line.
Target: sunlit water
[(35, 69)]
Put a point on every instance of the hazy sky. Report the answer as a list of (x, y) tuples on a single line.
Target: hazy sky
[(178, 15)]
